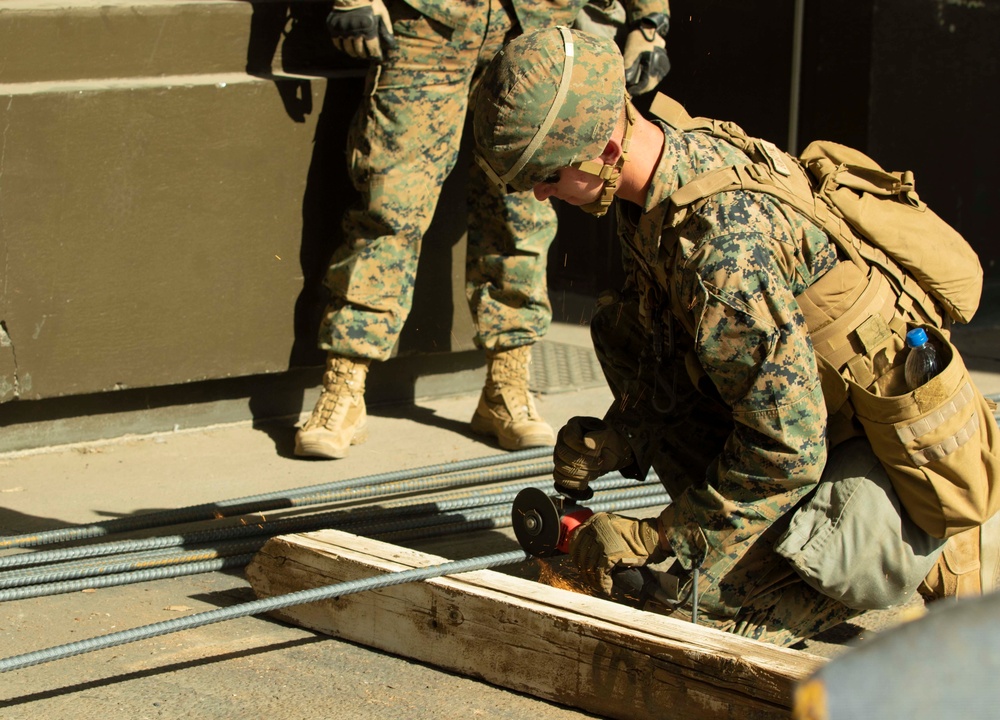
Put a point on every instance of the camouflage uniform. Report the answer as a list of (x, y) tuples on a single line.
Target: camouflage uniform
[(725, 403), (403, 143)]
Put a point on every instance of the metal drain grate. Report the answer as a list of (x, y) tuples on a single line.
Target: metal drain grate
[(558, 367)]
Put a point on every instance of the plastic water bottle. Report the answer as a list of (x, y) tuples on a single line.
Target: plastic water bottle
[(921, 361)]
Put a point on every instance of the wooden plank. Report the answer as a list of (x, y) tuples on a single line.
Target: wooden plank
[(558, 645)]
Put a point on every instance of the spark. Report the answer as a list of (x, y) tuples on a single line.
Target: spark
[(548, 575)]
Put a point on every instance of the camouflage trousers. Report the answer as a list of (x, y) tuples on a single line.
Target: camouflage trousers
[(403, 144), (679, 431)]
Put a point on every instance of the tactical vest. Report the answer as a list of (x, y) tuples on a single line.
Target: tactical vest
[(902, 267)]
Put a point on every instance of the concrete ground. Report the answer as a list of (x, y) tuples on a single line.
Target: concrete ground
[(254, 667)]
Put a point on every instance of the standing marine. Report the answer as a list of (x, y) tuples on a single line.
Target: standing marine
[(403, 143)]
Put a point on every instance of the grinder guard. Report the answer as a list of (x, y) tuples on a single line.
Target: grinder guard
[(543, 525)]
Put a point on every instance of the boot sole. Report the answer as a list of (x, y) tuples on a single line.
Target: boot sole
[(318, 447)]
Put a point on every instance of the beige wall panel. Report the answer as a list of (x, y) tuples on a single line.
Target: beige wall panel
[(151, 234), (42, 41)]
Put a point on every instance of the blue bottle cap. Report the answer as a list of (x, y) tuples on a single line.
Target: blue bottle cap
[(916, 337)]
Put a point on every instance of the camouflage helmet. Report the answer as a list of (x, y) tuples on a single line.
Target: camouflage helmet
[(549, 99)]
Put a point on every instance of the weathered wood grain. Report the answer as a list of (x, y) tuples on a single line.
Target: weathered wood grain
[(562, 646)]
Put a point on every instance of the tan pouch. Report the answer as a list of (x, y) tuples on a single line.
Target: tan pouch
[(957, 570), (939, 444), (885, 209)]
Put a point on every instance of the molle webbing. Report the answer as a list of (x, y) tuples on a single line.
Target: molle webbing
[(855, 336)]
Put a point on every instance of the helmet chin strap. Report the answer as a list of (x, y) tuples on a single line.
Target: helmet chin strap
[(610, 174)]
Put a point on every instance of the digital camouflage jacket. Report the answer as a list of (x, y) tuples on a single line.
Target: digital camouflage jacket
[(723, 287)]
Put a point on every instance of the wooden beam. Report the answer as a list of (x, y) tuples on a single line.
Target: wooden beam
[(574, 649)]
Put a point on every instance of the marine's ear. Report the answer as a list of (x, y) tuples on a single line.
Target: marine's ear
[(612, 151)]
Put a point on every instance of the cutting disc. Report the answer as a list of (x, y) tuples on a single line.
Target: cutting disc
[(536, 522)]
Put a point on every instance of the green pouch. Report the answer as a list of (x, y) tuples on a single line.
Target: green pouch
[(852, 541)]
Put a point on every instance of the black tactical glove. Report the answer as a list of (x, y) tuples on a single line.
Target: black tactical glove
[(587, 448), (646, 61), (360, 28), (606, 542)]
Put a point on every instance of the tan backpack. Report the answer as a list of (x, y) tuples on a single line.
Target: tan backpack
[(939, 443), (884, 208), (849, 196)]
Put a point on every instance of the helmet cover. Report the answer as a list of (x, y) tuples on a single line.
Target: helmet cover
[(548, 100)]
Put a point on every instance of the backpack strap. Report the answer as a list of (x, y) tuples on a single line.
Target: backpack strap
[(888, 296), (882, 304), (793, 189), (673, 113), (796, 191), (831, 184)]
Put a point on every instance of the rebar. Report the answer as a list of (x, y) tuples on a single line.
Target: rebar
[(125, 563), (249, 503), (259, 607), (428, 515), (420, 484), (450, 512), (128, 578)]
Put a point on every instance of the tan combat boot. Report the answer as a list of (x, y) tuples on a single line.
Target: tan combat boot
[(506, 409), (339, 419)]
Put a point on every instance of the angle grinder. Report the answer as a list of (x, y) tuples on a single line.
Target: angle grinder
[(543, 525)]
